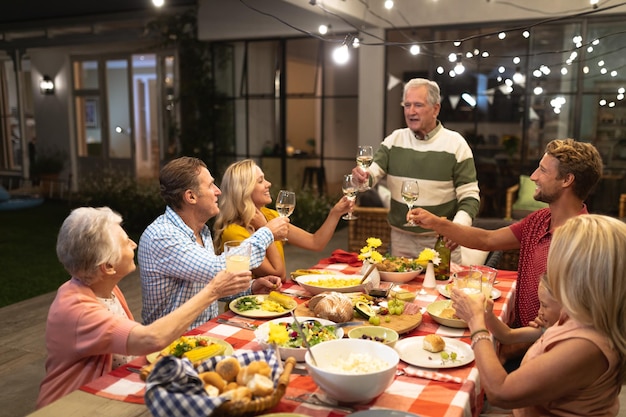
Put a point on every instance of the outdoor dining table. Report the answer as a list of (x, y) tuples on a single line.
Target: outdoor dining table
[(121, 392)]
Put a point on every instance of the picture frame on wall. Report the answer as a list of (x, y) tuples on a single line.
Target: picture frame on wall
[(91, 113)]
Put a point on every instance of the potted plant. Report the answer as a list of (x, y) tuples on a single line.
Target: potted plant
[(49, 163)]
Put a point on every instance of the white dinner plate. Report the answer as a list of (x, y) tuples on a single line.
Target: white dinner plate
[(443, 290), (258, 313), (412, 352)]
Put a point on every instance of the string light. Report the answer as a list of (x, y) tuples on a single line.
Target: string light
[(414, 50), (323, 29), (341, 55), (388, 4)]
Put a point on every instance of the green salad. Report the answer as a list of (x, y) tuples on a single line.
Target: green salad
[(314, 331)]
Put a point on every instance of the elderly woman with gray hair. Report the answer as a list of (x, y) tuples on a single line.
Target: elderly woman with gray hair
[(90, 329)]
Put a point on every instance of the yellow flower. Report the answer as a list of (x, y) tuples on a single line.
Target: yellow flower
[(374, 242), (369, 252), (428, 255)]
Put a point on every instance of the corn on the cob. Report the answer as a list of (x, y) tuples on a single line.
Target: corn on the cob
[(204, 352), (282, 299)]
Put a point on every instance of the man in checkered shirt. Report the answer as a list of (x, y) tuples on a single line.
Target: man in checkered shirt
[(176, 255)]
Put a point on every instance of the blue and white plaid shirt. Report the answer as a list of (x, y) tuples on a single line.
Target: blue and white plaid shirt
[(174, 267)]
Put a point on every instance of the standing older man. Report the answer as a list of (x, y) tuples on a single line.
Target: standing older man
[(176, 255), (441, 161)]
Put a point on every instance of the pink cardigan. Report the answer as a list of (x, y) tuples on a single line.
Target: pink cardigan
[(81, 335)]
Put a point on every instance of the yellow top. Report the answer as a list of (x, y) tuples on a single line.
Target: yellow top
[(237, 232)]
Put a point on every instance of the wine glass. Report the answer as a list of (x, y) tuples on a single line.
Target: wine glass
[(285, 204), (349, 188), (410, 192), (364, 157)]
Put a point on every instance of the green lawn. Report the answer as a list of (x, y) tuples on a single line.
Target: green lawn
[(28, 260), (29, 265)]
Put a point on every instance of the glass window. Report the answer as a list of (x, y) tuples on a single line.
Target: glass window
[(118, 110), (86, 75)]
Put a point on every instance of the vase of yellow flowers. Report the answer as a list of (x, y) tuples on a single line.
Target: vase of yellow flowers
[(370, 256), (431, 257)]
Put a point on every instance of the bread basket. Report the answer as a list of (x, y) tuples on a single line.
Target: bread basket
[(173, 388), (257, 405)]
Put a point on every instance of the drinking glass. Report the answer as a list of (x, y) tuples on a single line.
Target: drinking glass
[(489, 277), (364, 157), (410, 192), (285, 204), (237, 254), (469, 281), (349, 188)]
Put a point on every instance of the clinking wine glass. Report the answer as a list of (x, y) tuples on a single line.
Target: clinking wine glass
[(349, 188), (410, 192), (364, 157), (285, 204)]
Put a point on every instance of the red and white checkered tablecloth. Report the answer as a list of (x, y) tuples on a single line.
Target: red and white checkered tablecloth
[(425, 397)]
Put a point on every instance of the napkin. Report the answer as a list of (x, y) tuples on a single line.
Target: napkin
[(435, 376), (174, 389), (340, 256)]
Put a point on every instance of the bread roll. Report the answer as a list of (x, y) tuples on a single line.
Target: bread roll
[(238, 394), (211, 390), (255, 367), (260, 385), (434, 343), (228, 368), (214, 379), (332, 306)]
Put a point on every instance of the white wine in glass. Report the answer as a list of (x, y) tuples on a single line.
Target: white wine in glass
[(350, 189), (410, 192), (364, 158), (285, 204)]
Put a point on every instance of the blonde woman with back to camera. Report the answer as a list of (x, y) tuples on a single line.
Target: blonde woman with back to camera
[(578, 366)]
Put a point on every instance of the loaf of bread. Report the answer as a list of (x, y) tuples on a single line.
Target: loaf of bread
[(434, 343), (332, 306)]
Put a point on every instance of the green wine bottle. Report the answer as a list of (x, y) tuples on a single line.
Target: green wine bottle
[(442, 271)]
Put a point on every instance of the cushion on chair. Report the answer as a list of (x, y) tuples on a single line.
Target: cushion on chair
[(4, 194), (525, 203)]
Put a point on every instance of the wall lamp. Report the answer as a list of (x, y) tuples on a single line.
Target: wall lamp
[(46, 85)]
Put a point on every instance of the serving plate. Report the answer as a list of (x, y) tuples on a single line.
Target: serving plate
[(399, 277), (228, 348), (435, 309), (412, 352), (262, 333), (258, 313), (305, 280), (443, 290)]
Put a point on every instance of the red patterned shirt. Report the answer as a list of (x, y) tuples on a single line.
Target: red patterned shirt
[(533, 233)]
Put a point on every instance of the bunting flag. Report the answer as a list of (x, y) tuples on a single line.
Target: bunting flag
[(393, 81), (489, 94), (454, 101)]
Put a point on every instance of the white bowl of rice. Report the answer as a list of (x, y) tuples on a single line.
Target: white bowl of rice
[(352, 370)]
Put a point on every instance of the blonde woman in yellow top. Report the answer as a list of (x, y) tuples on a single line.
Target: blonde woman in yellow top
[(245, 195)]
